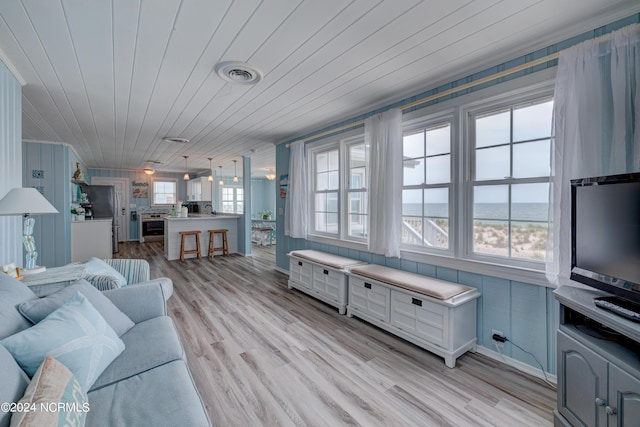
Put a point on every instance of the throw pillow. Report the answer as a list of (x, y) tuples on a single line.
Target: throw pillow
[(12, 293), (75, 334), (38, 309), (53, 398), (97, 267)]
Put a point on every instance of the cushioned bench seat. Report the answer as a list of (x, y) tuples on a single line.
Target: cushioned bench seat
[(414, 282), (321, 275), (330, 260), (436, 315)]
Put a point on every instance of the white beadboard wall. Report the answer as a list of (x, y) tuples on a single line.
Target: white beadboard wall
[(10, 162)]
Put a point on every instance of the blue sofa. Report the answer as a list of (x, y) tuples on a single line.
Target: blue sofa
[(149, 383)]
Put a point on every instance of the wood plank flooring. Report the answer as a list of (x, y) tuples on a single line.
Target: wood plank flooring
[(262, 354)]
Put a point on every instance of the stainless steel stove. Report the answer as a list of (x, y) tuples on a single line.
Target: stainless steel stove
[(151, 227)]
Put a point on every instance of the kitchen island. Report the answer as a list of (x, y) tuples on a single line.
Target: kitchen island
[(198, 222)]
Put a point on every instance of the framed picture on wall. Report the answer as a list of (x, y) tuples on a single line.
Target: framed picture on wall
[(284, 184)]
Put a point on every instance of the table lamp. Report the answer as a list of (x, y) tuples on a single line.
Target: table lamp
[(25, 202)]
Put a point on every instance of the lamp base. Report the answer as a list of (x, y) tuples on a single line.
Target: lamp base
[(35, 270)]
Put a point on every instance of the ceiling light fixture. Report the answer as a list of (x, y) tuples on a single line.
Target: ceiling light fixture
[(221, 181), (186, 169), (210, 170), (149, 171), (235, 171), (175, 139), (238, 72), (270, 175)]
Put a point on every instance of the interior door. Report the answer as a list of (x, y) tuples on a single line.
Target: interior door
[(122, 201)]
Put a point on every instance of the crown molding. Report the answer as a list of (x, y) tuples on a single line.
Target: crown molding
[(5, 59)]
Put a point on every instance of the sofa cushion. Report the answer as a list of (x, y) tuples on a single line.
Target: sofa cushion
[(13, 383), (75, 334), (97, 267), (38, 309), (12, 294), (163, 396), (53, 384), (148, 344)]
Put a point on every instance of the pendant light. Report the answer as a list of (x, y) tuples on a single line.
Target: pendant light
[(210, 170), (186, 169), (235, 171), (221, 181)]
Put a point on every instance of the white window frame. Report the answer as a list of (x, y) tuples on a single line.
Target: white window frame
[(153, 187), (424, 123), (312, 152), (235, 198), (347, 190), (505, 101)]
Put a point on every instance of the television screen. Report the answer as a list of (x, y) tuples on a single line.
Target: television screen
[(606, 234)]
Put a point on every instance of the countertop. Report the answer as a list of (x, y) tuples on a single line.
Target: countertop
[(91, 220), (202, 216)]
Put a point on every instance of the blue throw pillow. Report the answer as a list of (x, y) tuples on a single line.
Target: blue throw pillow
[(37, 309), (97, 267), (75, 334)]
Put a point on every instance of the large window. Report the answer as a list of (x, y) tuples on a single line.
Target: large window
[(510, 182), (326, 187), (165, 192), (356, 193), (232, 199), (426, 189)]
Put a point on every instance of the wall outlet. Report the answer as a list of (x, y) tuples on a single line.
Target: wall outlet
[(499, 333)]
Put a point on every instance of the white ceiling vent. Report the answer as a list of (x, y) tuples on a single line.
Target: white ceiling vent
[(175, 139), (238, 72)]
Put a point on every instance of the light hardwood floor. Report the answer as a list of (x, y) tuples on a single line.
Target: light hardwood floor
[(261, 354)]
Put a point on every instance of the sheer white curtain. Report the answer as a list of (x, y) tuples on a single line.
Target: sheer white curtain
[(596, 127), (296, 213), (383, 136)]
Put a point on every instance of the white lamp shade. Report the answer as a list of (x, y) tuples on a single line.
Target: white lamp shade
[(19, 201)]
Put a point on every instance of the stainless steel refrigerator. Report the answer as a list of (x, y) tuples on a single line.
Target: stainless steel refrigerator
[(104, 205)]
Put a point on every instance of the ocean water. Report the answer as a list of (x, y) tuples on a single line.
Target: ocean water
[(487, 211)]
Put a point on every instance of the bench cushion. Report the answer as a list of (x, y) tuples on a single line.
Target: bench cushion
[(324, 258), (435, 288)]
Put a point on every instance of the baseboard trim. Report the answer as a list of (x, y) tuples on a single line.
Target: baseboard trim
[(521, 366), (281, 270)]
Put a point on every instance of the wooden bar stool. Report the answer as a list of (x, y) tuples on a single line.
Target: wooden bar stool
[(225, 243), (183, 252)]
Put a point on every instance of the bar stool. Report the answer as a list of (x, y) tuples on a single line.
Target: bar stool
[(225, 243), (183, 252)]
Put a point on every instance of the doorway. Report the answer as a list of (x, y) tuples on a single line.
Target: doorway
[(122, 197)]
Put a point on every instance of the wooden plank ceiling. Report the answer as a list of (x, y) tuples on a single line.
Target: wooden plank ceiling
[(112, 77)]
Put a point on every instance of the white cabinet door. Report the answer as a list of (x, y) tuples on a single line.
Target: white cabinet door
[(91, 239)]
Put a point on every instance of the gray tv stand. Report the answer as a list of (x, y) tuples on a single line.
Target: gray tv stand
[(598, 370)]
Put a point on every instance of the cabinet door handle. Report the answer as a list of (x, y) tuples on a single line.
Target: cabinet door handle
[(300, 263), (600, 402), (610, 410), (325, 271), (367, 285), (416, 301)]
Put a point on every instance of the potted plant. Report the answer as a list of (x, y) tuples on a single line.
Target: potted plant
[(77, 212), (265, 215)]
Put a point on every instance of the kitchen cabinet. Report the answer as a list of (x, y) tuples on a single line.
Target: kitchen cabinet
[(199, 190), (91, 239)]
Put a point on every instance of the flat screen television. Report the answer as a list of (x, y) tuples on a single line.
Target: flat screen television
[(605, 234)]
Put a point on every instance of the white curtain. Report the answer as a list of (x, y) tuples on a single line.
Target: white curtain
[(296, 213), (383, 136), (596, 127)]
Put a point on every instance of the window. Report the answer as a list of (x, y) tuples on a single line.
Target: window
[(426, 188), (326, 179), (510, 182), (165, 192), (233, 199), (356, 192)]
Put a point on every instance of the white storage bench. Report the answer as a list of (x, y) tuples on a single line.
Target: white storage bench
[(436, 315), (321, 275)]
